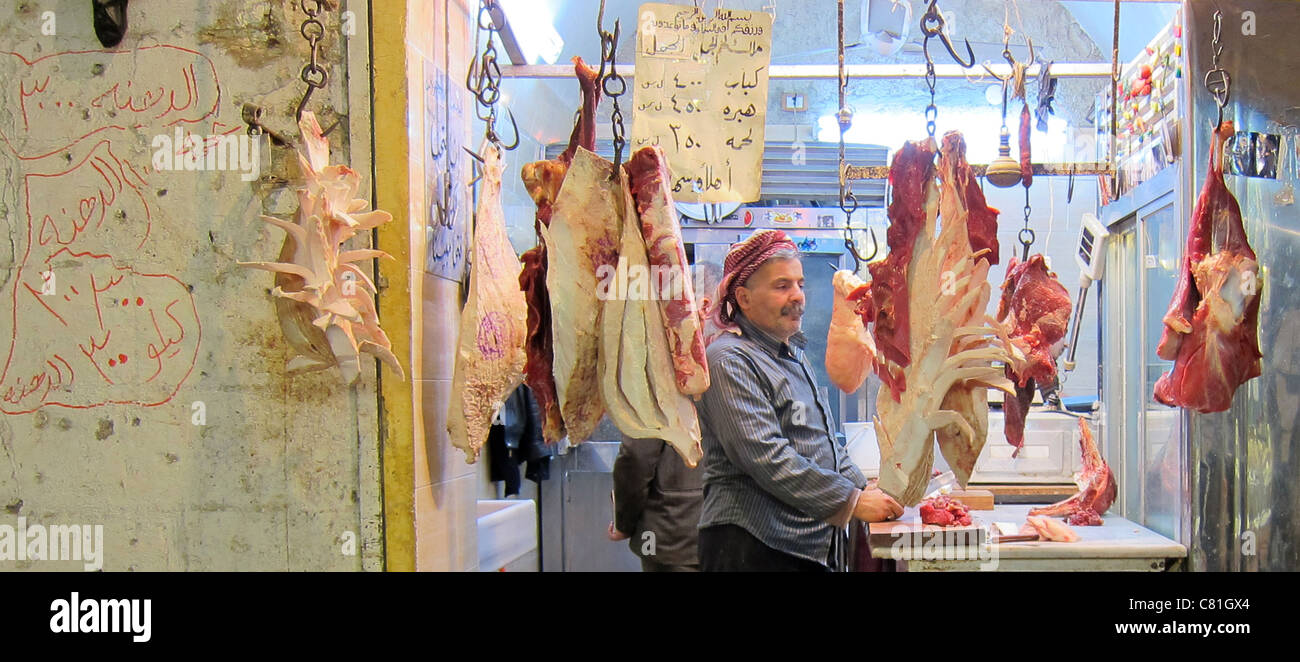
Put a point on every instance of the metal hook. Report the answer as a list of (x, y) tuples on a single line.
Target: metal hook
[(514, 127), (932, 25)]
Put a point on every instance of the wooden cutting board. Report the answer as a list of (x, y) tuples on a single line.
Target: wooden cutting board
[(908, 531)]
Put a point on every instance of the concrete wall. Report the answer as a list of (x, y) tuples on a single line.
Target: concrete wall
[(146, 392)]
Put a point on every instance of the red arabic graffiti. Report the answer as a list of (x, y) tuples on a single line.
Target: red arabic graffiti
[(65, 97), (90, 323)]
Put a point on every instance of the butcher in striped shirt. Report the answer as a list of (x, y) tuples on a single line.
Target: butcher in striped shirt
[(779, 490)]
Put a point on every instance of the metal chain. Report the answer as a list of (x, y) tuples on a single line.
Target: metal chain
[(1216, 79), (612, 84), (1026, 234), (313, 31)]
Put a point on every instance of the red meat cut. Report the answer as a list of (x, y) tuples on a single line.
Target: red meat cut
[(543, 180), (944, 511), (1098, 487), (1212, 325), (910, 173), (1035, 309)]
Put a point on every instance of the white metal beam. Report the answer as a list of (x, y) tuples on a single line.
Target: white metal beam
[(830, 71)]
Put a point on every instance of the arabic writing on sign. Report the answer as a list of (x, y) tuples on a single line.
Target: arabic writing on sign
[(701, 96)]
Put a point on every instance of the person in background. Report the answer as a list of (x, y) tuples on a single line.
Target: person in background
[(779, 490), (657, 505)]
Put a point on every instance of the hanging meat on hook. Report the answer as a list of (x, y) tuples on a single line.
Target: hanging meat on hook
[(639, 381), (543, 180), (683, 324), (490, 351), (850, 349), (1212, 326), (1035, 310), (928, 298), (582, 244), (1026, 164)]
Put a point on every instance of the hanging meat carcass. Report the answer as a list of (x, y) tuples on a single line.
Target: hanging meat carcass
[(583, 237), (927, 299), (659, 227), (639, 379), (961, 203), (850, 349), (490, 350), (1212, 325), (1097, 487), (543, 180), (1035, 308)]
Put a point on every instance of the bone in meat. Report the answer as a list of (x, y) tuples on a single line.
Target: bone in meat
[(638, 380), (961, 204), (938, 284), (648, 171), (1035, 308), (490, 350), (582, 238), (1212, 325), (850, 349), (1097, 486), (543, 180)]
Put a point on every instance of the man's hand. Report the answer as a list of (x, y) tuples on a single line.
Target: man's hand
[(876, 506), (616, 535)]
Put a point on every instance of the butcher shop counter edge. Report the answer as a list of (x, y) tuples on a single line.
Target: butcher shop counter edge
[(1116, 538)]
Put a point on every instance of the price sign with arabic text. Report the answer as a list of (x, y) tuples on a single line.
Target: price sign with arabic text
[(701, 95)]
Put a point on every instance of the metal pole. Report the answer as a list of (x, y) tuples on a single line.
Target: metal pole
[(831, 71)]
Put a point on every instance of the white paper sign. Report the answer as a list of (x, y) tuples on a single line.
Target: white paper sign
[(701, 95)]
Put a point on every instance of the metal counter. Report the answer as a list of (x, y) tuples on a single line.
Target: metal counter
[(1117, 545)]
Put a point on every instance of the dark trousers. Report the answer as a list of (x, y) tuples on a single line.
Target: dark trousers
[(730, 548), (654, 566)]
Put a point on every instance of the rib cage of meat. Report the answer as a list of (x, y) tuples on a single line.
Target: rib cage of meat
[(961, 203), (659, 227), (1097, 486), (1035, 309), (543, 181), (1212, 326), (928, 297)]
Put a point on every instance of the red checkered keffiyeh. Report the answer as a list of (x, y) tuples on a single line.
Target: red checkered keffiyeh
[(742, 261)]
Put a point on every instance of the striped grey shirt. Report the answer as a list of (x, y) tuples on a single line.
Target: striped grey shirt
[(771, 463)]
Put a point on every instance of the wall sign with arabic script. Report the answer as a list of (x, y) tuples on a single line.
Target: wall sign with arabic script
[(701, 95)]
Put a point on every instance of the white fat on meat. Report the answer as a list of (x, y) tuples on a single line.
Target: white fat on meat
[(638, 381), (490, 349), (583, 236)]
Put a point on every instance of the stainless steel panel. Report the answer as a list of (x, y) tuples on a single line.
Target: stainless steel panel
[(1241, 468)]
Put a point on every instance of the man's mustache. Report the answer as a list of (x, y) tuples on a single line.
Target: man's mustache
[(792, 309)]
